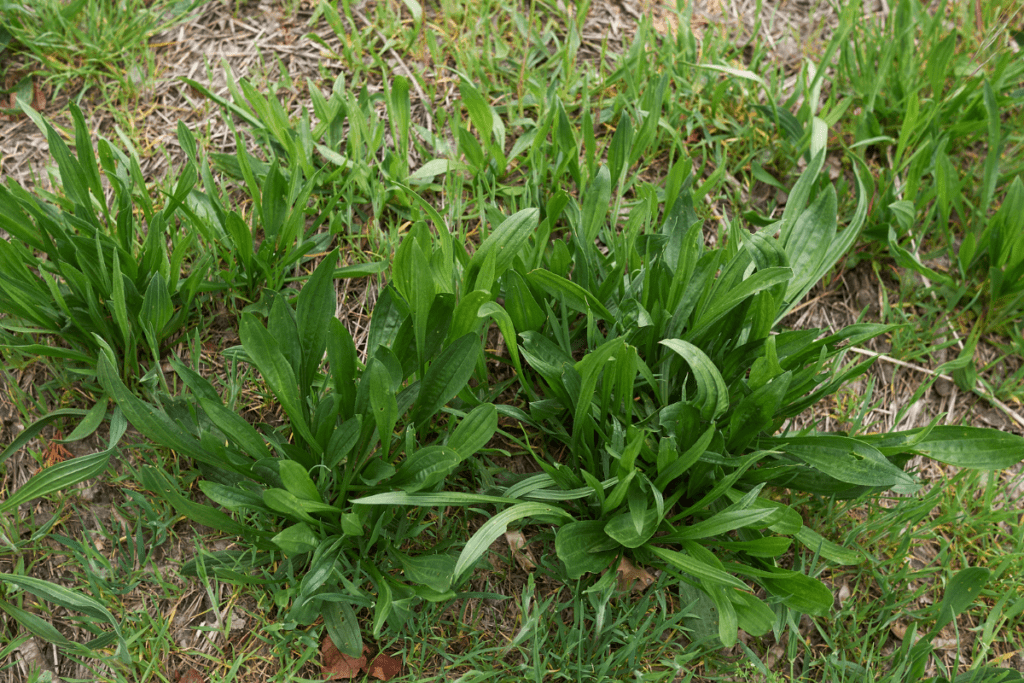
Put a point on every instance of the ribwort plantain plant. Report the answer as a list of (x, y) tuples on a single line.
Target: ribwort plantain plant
[(659, 374)]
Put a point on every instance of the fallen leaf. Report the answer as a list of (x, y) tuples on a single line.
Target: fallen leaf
[(898, 629), (844, 593), (38, 97), (520, 550), (385, 667), (191, 676), (633, 578), (337, 666)]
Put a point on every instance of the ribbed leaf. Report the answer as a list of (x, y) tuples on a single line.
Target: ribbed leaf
[(845, 459), (506, 241), (474, 430), (314, 308), (584, 548), (264, 351), (574, 296), (696, 568), (712, 394), (495, 527), (446, 377)]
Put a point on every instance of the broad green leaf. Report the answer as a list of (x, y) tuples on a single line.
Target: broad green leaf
[(89, 424), (314, 308), (622, 528), (236, 428), (290, 505), (674, 467), (35, 625), (431, 499), (817, 543), (505, 242), (466, 318), (721, 305), (574, 296), (159, 482), (415, 282), (756, 411), (382, 401), (733, 71), (434, 571), (522, 307), (590, 369), (712, 394), (497, 525), (696, 568), (264, 351), (508, 331), (296, 540), (799, 592), (721, 522), (752, 615), (475, 430), (435, 167), (845, 459), (584, 547), (426, 467), (343, 628), (973, 447), (234, 498), (961, 592), (479, 111), (296, 479), (768, 546), (595, 205), (447, 375), (157, 308)]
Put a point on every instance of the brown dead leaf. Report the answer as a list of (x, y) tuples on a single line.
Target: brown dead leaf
[(338, 666), (898, 629), (55, 452), (385, 667), (191, 676), (633, 578), (520, 550), (38, 97)]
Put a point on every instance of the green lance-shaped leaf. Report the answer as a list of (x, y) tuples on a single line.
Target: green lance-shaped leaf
[(264, 351), (712, 394), (845, 459), (314, 308), (343, 628), (696, 568), (296, 479), (474, 430), (434, 571), (425, 468), (522, 307), (65, 597), (961, 592), (59, 477), (505, 242), (495, 527), (574, 296), (446, 377), (973, 447)]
